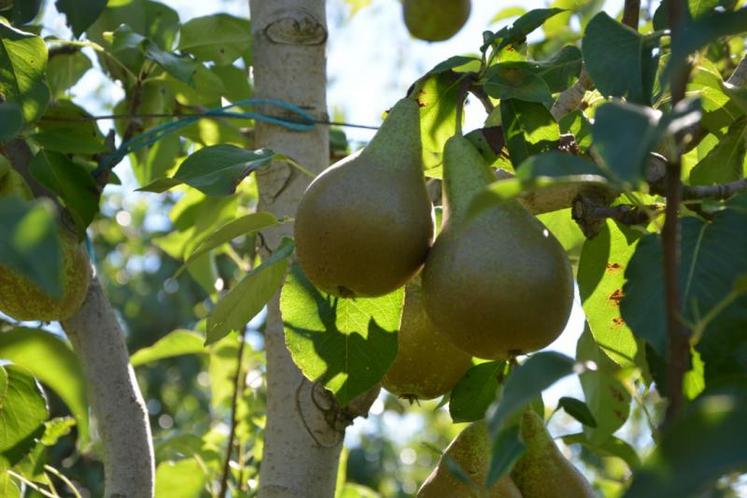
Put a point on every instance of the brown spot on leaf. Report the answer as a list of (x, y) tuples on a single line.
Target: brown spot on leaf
[(619, 322), (613, 267), (616, 296)]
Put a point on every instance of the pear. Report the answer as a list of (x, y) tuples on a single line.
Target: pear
[(427, 365), (471, 451), (497, 282), (22, 299), (364, 226), (543, 472), (435, 20)]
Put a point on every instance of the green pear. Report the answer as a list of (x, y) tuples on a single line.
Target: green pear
[(364, 226), (435, 20), (427, 364), (471, 451), (22, 299), (543, 472), (497, 283)]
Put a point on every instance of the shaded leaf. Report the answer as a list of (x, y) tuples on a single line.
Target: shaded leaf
[(11, 120), (475, 391), (80, 14), (578, 410), (529, 129), (23, 410), (65, 70), (64, 128), (51, 360), (249, 296), (610, 447), (175, 343), (228, 40), (346, 344)]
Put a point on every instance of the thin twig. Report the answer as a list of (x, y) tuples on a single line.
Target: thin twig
[(677, 333), (720, 191), (632, 13), (238, 385)]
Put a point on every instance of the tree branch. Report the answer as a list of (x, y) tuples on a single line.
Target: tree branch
[(721, 191), (116, 400), (632, 13), (677, 333), (569, 100)]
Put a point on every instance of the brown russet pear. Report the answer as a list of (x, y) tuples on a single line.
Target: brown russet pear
[(471, 451), (427, 365), (21, 298), (543, 472), (496, 282), (435, 20), (364, 226)]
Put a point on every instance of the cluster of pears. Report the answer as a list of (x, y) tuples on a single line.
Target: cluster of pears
[(541, 472), (21, 298), (495, 283), (435, 20)]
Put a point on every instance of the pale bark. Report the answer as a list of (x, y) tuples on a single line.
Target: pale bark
[(117, 403), (302, 442)]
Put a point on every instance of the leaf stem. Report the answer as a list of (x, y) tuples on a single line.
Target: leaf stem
[(238, 385)]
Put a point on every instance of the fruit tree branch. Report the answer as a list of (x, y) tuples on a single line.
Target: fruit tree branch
[(116, 400), (677, 333)]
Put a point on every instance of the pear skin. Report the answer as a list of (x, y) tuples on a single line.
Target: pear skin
[(427, 365), (364, 226), (471, 450), (435, 20), (497, 283), (543, 472), (23, 300)]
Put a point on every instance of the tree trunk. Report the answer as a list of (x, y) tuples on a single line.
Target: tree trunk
[(115, 397), (301, 448)]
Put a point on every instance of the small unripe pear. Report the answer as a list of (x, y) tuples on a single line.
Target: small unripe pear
[(427, 364), (543, 472), (435, 20), (21, 298), (471, 451)]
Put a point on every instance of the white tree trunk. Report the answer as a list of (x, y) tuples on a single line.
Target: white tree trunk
[(301, 449), (117, 403)]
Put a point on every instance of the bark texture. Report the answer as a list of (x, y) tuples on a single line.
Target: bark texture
[(302, 441), (117, 403)]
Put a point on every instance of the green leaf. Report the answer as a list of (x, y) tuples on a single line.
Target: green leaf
[(346, 344), (243, 226), (578, 410), (23, 11), (619, 60), (65, 128), (70, 180), (235, 82), (216, 170), (712, 257), (542, 172), (579, 126), (526, 382), (180, 479), (516, 80), (706, 442), (529, 129), (723, 163), (474, 392), (23, 410), (608, 401), (506, 450), (53, 362), (250, 295), (23, 60), (610, 447), (65, 70), (227, 38), (175, 343), (601, 275), (56, 428), (452, 63), (80, 14), (352, 490), (438, 100), (30, 242), (11, 120), (518, 31), (508, 12)]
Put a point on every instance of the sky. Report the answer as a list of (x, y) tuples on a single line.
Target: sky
[(372, 60)]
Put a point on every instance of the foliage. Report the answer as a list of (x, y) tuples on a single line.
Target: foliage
[(181, 265)]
